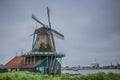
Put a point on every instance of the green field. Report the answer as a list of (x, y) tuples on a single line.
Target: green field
[(37, 76)]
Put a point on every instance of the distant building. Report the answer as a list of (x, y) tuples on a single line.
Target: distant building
[(1, 65), (1, 68), (95, 65)]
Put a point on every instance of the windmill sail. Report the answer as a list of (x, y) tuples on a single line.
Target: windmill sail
[(33, 16), (57, 34), (48, 13)]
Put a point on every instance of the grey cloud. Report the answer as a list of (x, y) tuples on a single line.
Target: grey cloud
[(91, 28)]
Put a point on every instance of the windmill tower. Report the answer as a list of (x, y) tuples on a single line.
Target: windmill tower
[(43, 42)]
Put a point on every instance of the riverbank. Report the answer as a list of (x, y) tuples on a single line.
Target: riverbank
[(37, 76)]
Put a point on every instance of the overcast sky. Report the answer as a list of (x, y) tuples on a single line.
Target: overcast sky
[(91, 29)]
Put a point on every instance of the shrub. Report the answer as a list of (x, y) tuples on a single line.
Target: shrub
[(38, 76)]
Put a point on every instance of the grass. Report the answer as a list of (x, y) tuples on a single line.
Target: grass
[(37, 76)]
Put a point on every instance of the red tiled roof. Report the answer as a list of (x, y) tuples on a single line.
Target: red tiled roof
[(18, 62), (15, 62)]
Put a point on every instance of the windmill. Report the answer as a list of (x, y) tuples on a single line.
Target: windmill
[(45, 36), (43, 41)]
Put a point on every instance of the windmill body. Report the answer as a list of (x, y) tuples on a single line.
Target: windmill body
[(43, 41)]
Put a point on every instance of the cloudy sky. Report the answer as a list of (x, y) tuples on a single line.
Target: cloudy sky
[(91, 29)]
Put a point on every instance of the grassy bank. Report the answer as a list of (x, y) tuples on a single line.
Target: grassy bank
[(37, 76)]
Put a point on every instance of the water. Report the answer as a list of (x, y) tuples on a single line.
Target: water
[(85, 72)]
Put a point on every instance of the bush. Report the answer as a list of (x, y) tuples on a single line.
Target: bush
[(38, 76)]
